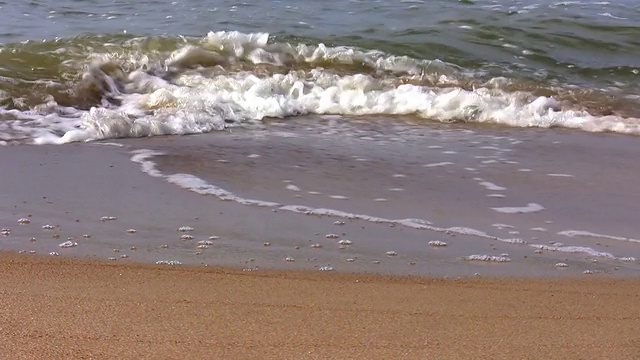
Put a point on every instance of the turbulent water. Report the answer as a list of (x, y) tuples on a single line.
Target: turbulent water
[(76, 70)]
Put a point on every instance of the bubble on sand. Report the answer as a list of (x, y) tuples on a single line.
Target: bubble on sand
[(186, 237), (203, 246), (124, 256), (164, 246), (168, 262), (529, 208), (68, 244), (205, 242), (185, 228), (266, 243), (33, 239), (289, 259), (350, 260), (588, 272), (437, 243), (345, 242), (132, 231), (391, 253), (538, 251), (316, 246), (24, 221), (376, 262), (292, 187), (339, 222), (5, 232), (32, 251), (47, 227), (628, 259), (214, 237), (108, 218), (561, 265), (53, 253), (332, 236), (86, 236), (325, 268), (487, 258), (491, 186)]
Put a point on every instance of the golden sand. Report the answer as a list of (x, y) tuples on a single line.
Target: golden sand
[(61, 308)]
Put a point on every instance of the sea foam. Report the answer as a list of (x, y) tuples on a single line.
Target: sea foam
[(200, 87)]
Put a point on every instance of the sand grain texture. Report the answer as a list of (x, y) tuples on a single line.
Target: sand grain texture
[(68, 308)]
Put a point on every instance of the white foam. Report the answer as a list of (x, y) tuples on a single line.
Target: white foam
[(576, 233), (445, 163), (487, 258), (68, 244), (437, 243), (530, 208), (168, 262), (292, 187), (574, 250), (191, 101), (491, 186), (560, 175)]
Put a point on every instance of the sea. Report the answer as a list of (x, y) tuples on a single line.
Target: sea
[(352, 96)]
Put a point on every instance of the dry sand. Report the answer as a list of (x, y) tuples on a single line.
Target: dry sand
[(61, 308)]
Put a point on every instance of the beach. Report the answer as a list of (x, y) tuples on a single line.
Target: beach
[(237, 270), (319, 180), (438, 201), (80, 309)]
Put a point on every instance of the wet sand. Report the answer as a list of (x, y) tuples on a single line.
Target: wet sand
[(320, 181), (63, 308)]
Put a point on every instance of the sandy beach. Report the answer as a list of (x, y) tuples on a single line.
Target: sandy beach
[(60, 308), (83, 225)]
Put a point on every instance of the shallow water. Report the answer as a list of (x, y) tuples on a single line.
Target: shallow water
[(410, 121)]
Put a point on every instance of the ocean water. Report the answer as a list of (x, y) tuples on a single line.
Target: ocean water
[(87, 70), (433, 137)]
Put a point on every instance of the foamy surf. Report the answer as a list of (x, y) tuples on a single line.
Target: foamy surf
[(231, 79)]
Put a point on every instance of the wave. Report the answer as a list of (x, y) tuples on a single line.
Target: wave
[(148, 86)]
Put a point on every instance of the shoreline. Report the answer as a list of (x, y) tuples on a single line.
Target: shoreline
[(57, 307), (456, 187)]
